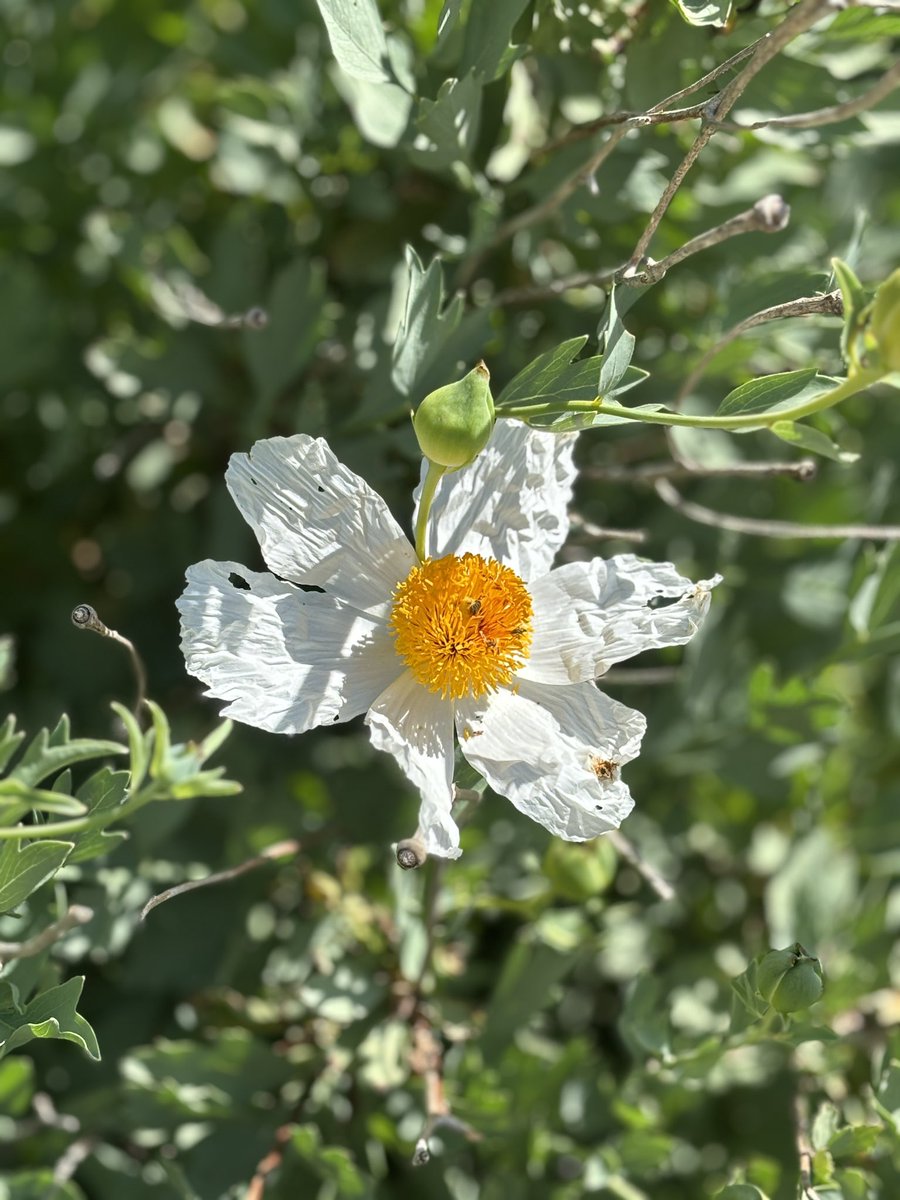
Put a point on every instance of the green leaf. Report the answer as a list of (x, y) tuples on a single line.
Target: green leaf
[(24, 868), (645, 1020), (856, 299), (357, 38), (9, 740), (333, 1164), (747, 1005), (162, 741), (773, 392), (809, 438), (48, 754), (704, 12), (854, 1140), (7, 663), (426, 324), (741, 1191), (38, 1184), (381, 110), (138, 744), (51, 1014), (103, 793), (552, 376), (618, 349), (486, 48), (450, 123), (16, 799), (563, 422), (275, 355), (814, 894)]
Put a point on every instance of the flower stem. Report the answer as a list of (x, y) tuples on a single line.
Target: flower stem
[(847, 387), (429, 487)]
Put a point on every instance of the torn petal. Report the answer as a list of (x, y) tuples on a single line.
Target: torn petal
[(286, 660), (317, 522), (556, 753)]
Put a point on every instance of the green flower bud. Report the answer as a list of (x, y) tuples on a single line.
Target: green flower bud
[(454, 423), (884, 321), (579, 870), (790, 979)]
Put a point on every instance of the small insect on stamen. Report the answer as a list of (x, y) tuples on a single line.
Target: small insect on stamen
[(604, 768), (474, 608)]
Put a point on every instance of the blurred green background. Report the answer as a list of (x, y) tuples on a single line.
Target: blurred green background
[(584, 1020)]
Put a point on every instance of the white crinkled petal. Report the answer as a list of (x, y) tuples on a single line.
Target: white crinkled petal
[(286, 660), (510, 503), (547, 748), (416, 727), (588, 616), (317, 522)]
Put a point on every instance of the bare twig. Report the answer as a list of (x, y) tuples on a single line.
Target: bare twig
[(85, 617), (804, 470), (72, 1158), (770, 528), (640, 676), (827, 304), (427, 1060), (589, 530), (278, 850), (269, 1163), (800, 18), (770, 214), (661, 113), (830, 115), (77, 914), (648, 873), (550, 204)]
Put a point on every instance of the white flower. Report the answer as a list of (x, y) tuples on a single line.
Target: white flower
[(485, 636)]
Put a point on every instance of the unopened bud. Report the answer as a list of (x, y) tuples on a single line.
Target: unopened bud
[(884, 322), (454, 423), (790, 979)]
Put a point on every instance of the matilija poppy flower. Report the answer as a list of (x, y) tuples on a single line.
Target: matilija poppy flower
[(484, 636)]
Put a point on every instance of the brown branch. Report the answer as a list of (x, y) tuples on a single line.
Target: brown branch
[(830, 115), (548, 205), (279, 850), (800, 18), (579, 525), (770, 214), (660, 113), (427, 1061), (648, 873), (804, 470), (770, 528), (85, 617), (827, 304), (78, 914)]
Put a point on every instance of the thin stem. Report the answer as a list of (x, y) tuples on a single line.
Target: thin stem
[(648, 873), (52, 829), (833, 113), (804, 470), (429, 487), (828, 304), (286, 849), (770, 214), (78, 914), (773, 529), (85, 617), (848, 387)]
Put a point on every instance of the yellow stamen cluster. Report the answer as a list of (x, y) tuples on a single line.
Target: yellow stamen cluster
[(462, 625)]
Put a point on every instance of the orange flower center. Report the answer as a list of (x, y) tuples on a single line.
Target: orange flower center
[(462, 625)]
